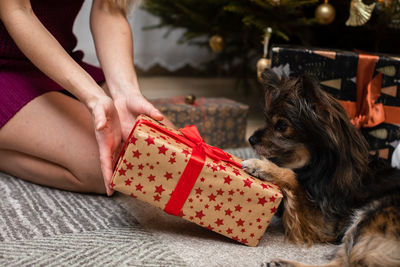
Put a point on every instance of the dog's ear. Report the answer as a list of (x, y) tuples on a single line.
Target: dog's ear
[(308, 88), (271, 84)]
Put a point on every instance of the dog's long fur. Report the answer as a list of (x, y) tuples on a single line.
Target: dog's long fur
[(334, 192)]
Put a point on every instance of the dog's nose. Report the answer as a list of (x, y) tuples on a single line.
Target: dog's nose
[(254, 139)]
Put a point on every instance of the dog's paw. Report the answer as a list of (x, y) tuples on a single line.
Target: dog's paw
[(278, 263), (258, 168)]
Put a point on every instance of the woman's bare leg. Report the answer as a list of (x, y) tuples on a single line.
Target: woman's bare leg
[(51, 141)]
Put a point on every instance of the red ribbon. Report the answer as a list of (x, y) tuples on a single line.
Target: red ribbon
[(369, 113), (191, 137), (365, 112)]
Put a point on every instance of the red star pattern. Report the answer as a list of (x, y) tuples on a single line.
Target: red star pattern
[(151, 178), (265, 186), (122, 172), (219, 222), (240, 222), (228, 212), (162, 149), (222, 192), (159, 189), (199, 190), (222, 167), (262, 201), (129, 166), (186, 152), (247, 183), (139, 187), (157, 198), (168, 175), (238, 208), (150, 140), (136, 153), (200, 214), (227, 179), (217, 207), (212, 197), (133, 140), (236, 172)]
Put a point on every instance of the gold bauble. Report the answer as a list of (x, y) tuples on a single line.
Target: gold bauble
[(360, 13), (216, 43), (325, 13), (189, 99), (262, 64)]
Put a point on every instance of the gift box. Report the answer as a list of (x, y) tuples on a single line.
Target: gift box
[(220, 121), (366, 85), (179, 173)]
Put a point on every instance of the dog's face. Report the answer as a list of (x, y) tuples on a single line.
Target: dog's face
[(301, 121)]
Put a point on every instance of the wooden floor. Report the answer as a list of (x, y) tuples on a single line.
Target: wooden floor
[(166, 86)]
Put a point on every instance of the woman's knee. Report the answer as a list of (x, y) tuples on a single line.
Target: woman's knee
[(90, 180)]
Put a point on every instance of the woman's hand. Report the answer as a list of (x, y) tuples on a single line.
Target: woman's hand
[(130, 106), (108, 135)]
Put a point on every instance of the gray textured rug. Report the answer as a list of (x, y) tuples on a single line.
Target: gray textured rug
[(40, 226)]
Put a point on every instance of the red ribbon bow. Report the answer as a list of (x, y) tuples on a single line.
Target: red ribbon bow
[(365, 112), (368, 112), (191, 137)]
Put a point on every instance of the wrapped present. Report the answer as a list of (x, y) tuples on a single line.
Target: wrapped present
[(179, 173), (221, 122), (366, 85)]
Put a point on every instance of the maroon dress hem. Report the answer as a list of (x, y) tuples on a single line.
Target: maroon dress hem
[(20, 80)]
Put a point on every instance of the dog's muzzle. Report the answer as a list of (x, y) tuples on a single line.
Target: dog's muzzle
[(255, 138)]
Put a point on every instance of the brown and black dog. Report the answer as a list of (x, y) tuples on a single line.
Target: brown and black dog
[(333, 190)]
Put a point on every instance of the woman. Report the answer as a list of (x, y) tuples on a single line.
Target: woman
[(46, 136)]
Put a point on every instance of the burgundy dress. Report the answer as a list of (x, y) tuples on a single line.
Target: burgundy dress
[(20, 80)]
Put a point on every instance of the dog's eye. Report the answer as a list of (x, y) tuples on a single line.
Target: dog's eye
[(280, 126)]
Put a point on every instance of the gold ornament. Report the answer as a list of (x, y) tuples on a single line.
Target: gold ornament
[(264, 63), (216, 43), (359, 13), (189, 99), (325, 13)]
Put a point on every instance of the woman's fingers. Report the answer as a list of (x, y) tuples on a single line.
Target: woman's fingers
[(108, 135)]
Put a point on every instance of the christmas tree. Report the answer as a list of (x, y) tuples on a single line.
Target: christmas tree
[(236, 28)]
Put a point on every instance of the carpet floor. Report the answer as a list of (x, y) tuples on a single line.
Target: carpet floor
[(41, 226)]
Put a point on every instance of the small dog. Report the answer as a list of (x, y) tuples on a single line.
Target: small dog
[(333, 190)]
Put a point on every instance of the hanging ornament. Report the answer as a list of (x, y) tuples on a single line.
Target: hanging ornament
[(264, 63), (277, 2), (359, 13), (216, 43), (325, 13)]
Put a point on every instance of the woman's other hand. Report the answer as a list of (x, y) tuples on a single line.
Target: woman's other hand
[(108, 135)]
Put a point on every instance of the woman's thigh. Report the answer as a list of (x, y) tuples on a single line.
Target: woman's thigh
[(57, 129)]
